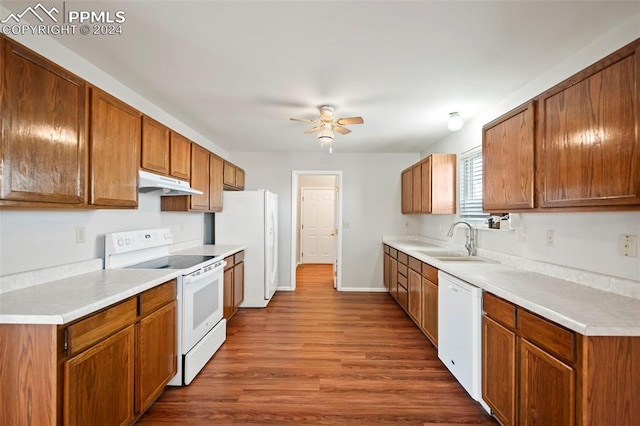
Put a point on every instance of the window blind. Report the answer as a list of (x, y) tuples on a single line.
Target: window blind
[(471, 185)]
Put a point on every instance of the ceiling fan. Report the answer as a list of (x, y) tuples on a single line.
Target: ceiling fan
[(326, 124)]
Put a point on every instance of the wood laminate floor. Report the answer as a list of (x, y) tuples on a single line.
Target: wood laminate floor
[(316, 356)]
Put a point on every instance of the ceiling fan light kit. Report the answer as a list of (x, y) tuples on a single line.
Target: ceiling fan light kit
[(455, 121), (326, 124)]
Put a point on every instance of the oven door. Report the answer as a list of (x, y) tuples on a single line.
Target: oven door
[(202, 293)]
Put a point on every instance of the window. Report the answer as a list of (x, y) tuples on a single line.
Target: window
[(471, 185)]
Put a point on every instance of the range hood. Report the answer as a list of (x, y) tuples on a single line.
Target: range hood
[(150, 182)]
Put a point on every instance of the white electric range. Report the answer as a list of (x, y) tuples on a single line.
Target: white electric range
[(201, 327)]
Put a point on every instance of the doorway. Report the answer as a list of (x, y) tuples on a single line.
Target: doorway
[(323, 191)]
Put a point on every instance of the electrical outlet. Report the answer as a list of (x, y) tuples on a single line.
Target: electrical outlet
[(406, 223), (81, 235), (628, 245), (551, 238), (521, 234)]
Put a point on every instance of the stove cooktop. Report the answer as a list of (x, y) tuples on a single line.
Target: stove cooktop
[(173, 262)]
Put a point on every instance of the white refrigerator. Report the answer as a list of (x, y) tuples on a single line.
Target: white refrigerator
[(251, 218)]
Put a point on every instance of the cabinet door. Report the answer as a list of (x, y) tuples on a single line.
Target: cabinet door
[(588, 130), (227, 307), (180, 157), (499, 370), (98, 383), (443, 184), (155, 146), (414, 295), (156, 356), (547, 388), (238, 285), (216, 175), (429, 310), (200, 177), (114, 152), (417, 188), (229, 174), (43, 147), (508, 155), (240, 178), (386, 271), (393, 278), (425, 197), (407, 191)]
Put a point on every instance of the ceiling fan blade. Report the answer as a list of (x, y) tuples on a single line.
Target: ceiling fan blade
[(350, 120), (341, 130), (313, 130), (303, 120)]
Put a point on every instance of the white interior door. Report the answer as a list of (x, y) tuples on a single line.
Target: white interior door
[(318, 225)]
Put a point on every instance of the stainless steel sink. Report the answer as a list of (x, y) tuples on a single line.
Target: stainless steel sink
[(463, 258), (441, 253)]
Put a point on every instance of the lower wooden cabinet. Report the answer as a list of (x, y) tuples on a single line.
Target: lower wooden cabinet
[(414, 303), (233, 284), (103, 369), (429, 311)]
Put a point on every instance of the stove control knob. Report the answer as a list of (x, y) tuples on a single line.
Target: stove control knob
[(120, 242)]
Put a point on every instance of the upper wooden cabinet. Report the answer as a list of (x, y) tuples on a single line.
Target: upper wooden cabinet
[(200, 177), (155, 146), (43, 150), (180, 157), (429, 186), (233, 177), (588, 130), (216, 173), (114, 152), (508, 145)]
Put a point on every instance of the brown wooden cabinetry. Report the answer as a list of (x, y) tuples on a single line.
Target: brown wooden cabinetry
[(386, 268), (233, 177), (429, 320), (508, 146), (233, 284), (180, 157), (114, 152), (200, 177), (155, 146), (216, 176), (414, 302), (43, 158), (429, 186), (105, 368)]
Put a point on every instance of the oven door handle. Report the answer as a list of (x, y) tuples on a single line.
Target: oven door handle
[(198, 275)]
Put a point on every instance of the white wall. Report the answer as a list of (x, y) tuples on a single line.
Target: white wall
[(371, 205), (587, 241)]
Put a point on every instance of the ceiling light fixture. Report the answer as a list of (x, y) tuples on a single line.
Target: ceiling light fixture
[(326, 136), (455, 121)]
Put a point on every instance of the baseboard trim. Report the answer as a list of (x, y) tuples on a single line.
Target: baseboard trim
[(365, 289)]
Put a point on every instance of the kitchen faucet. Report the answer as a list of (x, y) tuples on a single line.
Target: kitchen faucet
[(470, 238)]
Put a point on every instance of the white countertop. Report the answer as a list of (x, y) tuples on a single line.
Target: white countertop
[(586, 310), (65, 300), (68, 298)]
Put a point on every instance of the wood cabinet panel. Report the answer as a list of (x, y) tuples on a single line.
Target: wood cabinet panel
[(508, 145), (443, 183), (239, 178), (499, 309), (44, 115), (417, 188), (227, 308), (403, 258), (547, 388), (386, 271), (429, 321), (155, 146), (426, 170), (589, 142), (216, 176), (430, 273), (114, 152), (414, 296), (415, 264), (180, 157), (393, 278), (99, 383), (238, 285), (407, 191), (229, 174), (156, 297), (87, 332), (553, 338), (156, 355), (200, 177), (499, 370)]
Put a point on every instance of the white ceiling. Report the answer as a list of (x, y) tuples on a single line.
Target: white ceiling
[(236, 71)]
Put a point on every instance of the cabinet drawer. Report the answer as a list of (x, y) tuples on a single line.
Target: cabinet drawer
[(91, 330), (238, 257), (402, 282), (386, 249), (229, 260), (499, 309), (430, 273), (551, 337), (403, 297), (156, 297), (393, 252), (403, 258), (403, 270), (415, 264)]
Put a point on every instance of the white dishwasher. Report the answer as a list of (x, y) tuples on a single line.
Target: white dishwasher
[(459, 331)]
